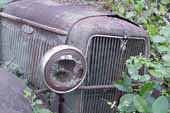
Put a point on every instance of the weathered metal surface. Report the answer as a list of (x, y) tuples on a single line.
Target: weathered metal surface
[(44, 90), (102, 25), (106, 61), (41, 26), (26, 49), (11, 94), (61, 15), (96, 87)]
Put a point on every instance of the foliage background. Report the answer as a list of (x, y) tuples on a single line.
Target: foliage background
[(148, 93)]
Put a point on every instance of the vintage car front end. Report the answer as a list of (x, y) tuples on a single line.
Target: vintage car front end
[(84, 46)]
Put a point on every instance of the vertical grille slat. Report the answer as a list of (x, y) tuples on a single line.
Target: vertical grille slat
[(106, 61), (102, 61), (94, 61), (109, 59), (98, 61)]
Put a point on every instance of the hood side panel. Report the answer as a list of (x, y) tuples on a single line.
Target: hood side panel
[(50, 13)]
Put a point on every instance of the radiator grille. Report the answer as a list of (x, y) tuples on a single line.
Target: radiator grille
[(106, 58), (25, 49)]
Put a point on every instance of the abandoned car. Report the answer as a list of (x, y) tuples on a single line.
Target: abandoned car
[(74, 50)]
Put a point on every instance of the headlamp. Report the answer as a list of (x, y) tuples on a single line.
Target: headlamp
[(63, 68)]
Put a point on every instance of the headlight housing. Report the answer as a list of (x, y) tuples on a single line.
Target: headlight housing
[(63, 68)]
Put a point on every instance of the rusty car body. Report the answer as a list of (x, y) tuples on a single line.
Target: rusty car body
[(30, 28)]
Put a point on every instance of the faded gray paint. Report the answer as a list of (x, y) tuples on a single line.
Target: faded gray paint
[(106, 61), (26, 49), (102, 25), (62, 16)]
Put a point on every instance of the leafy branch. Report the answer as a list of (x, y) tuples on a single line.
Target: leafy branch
[(37, 105), (149, 91)]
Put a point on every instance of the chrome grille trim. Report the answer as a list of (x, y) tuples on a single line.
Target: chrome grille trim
[(121, 37), (104, 50)]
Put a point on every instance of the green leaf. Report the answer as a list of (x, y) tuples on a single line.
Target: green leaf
[(165, 2), (38, 109), (45, 111), (152, 30), (130, 15), (166, 57), (146, 88), (150, 100), (38, 102), (126, 103), (139, 6), (160, 105), (126, 79), (147, 14), (162, 48), (158, 39), (144, 78), (133, 65), (162, 10), (135, 77), (27, 92), (140, 104), (165, 31), (122, 87), (159, 73), (2, 2), (122, 10)]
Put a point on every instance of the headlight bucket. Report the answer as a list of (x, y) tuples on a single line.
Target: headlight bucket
[(63, 68)]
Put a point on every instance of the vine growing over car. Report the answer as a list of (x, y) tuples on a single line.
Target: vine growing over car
[(148, 93)]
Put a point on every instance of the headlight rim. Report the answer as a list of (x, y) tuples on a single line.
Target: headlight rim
[(52, 53)]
